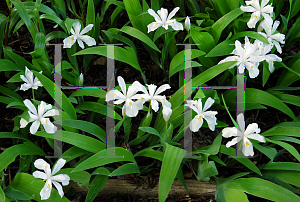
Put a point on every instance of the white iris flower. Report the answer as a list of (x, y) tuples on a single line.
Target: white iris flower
[(209, 116), (245, 58), (258, 11), (273, 38), (162, 19), (251, 132), (77, 35), (263, 50), (153, 96), (31, 82), (130, 107), (50, 178), (39, 117)]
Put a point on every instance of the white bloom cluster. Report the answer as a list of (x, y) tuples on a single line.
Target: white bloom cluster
[(132, 107), (49, 177), (251, 132), (251, 55)]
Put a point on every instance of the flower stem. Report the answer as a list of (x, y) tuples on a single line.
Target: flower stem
[(33, 93)]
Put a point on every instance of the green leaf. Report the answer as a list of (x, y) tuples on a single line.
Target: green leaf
[(55, 19), (81, 177), (204, 40), (29, 185), (125, 169), (281, 166), (7, 65), (49, 86), (178, 97), (120, 54), (89, 92), (17, 195), (289, 77), (121, 38), (25, 17), (139, 35), (90, 14), (148, 152), (262, 188), (220, 25), (97, 107), (87, 127), (245, 161), (28, 148), (270, 152), (120, 153), (134, 9), (78, 140), (286, 146), (96, 187), (2, 195), (257, 96), (170, 165), (178, 64), (20, 61), (286, 131), (11, 93), (250, 34), (55, 35), (224, 48)]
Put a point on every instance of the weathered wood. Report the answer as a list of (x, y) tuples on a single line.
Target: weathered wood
[(115, 186)]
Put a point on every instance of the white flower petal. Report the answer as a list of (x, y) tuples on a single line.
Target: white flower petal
[(59, 188), (252, 128), (90, 41), (209, 102), (233, 141), (156, 17), (131, 109), (30, 106), (153, 26), (174, 11), (63, 178), (248, 9), (77, 27), (49, 127), (34, 127), (154, 105), (258, 137), (60, 163), (23, 123), (80, 43), (86, 29), (163, 13), (69, 41), (176, 25), (24, 79), (247, 147), (122, 84), (43, 165), (277, 45), (211, 121), (25, 86), (229, 132), (167, 112), (39, 174), (241, 122), (51, 112), (196, 123), (46, 191), (162, 88), (254, 19)]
